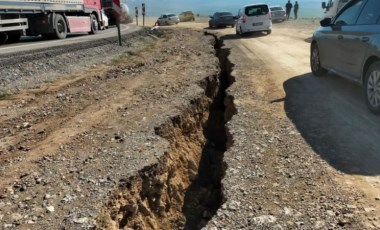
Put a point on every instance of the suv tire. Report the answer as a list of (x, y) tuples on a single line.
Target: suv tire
[(372, 87), (315, 61)]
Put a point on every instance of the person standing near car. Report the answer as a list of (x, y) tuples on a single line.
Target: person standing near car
[(288, 7), (295, 10)]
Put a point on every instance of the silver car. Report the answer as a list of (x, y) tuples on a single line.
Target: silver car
[(349, 45), (167, 19), (278, 13)]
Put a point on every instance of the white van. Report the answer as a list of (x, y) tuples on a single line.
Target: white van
[(254, 17)]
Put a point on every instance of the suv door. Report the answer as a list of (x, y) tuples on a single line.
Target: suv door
[(332, 37), (356, 38)]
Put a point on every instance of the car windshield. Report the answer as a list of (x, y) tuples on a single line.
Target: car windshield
[(276, 8), (256, 10), (171, 15)]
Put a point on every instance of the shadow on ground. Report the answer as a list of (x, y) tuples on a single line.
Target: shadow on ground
[(245, 36), (331, 115), (217, 28)]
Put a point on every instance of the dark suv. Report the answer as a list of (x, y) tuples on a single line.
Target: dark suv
[(349, 45), (222, 19)]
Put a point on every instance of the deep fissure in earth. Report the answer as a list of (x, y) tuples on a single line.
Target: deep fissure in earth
[(184, 189)]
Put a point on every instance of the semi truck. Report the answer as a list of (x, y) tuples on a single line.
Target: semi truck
[(332, 7), (49, 18)]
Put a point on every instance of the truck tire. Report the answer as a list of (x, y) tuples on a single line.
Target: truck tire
[(94, 24), (13, 37), (3, 37), (60, 27)]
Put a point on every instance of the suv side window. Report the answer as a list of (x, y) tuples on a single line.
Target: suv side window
[(370, 13), (350, 14)]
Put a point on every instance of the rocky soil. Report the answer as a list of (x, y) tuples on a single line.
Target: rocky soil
[(177, 129), (274, 179)]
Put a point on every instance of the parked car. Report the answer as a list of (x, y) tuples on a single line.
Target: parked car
[(221, 19), (186, 16), (167, 19), (255, 17), (349, 45), (278, 13), (104, 20)]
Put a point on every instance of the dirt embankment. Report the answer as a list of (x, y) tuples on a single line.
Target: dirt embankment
[(138, 122)]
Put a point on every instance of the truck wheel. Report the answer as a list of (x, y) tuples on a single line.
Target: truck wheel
[(60, 27), (13, 37), (94, 24), (3, 37)]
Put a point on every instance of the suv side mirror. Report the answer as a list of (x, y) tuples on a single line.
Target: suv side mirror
[(236, 17), (324, 5), (325, 22)]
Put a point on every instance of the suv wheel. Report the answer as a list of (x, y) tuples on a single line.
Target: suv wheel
[(315, 61), (241, 32), (372, 87)]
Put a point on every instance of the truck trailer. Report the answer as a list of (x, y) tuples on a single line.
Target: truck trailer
[(49, 18)]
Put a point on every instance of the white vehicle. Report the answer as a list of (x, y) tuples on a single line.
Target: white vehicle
[(332, 7), (104, 20), (255, 17), (167, 19)]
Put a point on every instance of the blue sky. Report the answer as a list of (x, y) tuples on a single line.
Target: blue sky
[(308, 8)]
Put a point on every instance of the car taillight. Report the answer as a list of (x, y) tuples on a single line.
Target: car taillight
[(244, 19), (270, 15)]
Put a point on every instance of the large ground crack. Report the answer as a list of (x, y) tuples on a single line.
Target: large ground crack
[(184, 189), (204, 196)]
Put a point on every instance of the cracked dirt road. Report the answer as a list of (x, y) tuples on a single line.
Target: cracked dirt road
[(328, 112)]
